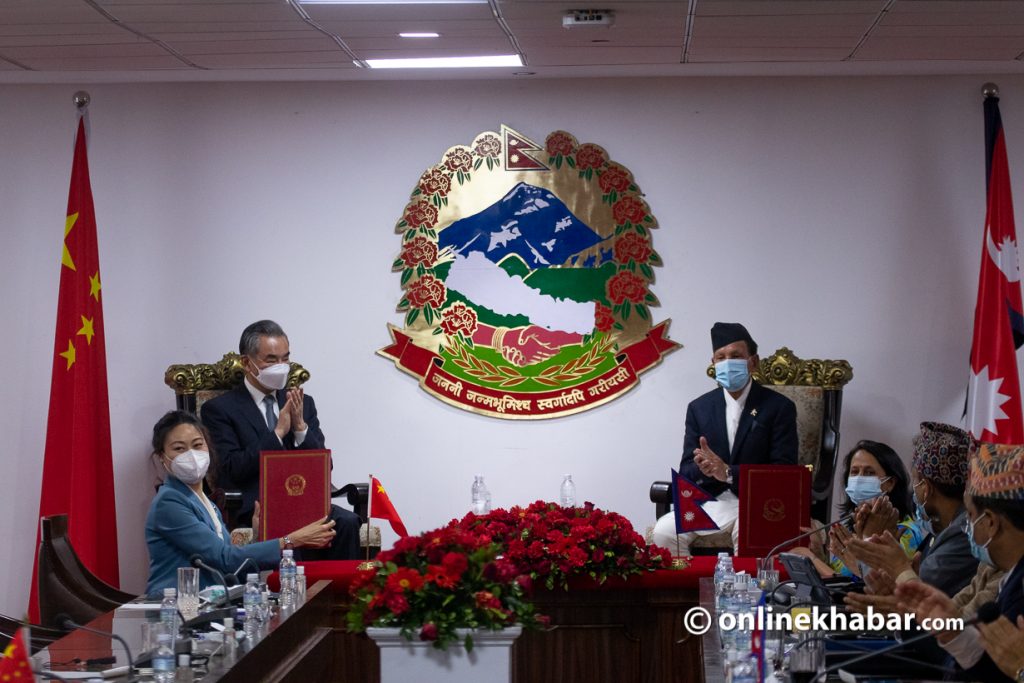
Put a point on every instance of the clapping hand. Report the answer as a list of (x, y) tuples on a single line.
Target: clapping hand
[(295, 400), (878, 594), (1004, 643), (882, 551), (709, 463), (927, 602), (839, 541), (875, 517)]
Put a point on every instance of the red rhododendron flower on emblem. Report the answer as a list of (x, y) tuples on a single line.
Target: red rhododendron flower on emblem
[(559, 142), (614, 178), (459, 159), (420, 214), (427, 290), (435, 181), (629, 209), (632, 246), (603, 318), (418, 250), (489, 146), (458, 318), (590, 156), (626, 286)]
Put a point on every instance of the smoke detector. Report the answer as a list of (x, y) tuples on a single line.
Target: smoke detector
[(576, 18)]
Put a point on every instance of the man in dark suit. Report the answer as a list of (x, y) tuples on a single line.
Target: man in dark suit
[(740, 423), (261, 415)]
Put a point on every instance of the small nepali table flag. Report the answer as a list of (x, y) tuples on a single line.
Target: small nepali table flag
[(686, 500)]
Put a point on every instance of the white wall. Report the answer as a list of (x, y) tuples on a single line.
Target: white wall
[(841, 217)]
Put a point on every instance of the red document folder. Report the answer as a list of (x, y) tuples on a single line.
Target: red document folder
[(775, 501), (295, 490)]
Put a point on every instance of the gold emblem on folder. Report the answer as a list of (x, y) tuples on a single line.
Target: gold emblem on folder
[(295, 485)]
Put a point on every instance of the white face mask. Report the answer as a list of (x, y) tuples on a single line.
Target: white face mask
[(190, 467), (274, 376)]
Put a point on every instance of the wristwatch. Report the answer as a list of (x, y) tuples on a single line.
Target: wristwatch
[(287, 542), (1020, 675), (728, 477)]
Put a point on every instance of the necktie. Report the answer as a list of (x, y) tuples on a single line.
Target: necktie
[(268, 405)]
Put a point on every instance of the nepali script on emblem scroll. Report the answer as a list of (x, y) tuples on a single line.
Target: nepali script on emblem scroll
[(526, 273)]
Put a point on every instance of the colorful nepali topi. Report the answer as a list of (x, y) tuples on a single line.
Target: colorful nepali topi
[(942, 453), (997, 471)]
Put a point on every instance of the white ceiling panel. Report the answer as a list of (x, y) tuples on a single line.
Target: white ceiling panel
[(119, 38), (941, 48), (569, 56), (194, 48), (363, 29), (637, 38), (699, 42), (192, 12), (172, 37), (431, 48), (285, 60), (161, 27), (70, 52), (106, 63), (731, 55), (420, 12), (955, 18), (724, 8)]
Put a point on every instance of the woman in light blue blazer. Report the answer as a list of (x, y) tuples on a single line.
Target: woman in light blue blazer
[(182, 521)]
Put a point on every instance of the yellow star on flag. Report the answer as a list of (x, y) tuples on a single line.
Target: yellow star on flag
[(87, 330), (65, 258), (94, 286), (69, 354)]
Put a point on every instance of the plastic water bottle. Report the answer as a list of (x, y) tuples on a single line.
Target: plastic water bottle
[(251, 600), (719, 573), (169, 614), (286, 573), (230, 648), (568, 492), (728, 576), (745, 670), (163, 659), (300, 585), (479, 495)]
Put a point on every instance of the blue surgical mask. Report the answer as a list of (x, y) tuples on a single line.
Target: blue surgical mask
[(732, 373), (921, 515), (980, 552), (861, 489)]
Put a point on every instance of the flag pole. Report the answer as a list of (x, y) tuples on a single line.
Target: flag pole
[(367, 564)]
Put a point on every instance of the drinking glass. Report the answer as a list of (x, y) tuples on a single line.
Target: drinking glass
[(188, 591)]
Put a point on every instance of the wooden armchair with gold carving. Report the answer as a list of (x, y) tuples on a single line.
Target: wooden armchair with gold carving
[(816, 387)]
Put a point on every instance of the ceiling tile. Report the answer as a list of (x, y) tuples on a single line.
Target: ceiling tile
[(106, 63), (193, 12), (220, 47), (729, 55), (569, 56), (282, 60), (974, 48)]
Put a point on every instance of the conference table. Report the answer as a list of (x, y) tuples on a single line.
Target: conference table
[(294, 647), (619, 631)]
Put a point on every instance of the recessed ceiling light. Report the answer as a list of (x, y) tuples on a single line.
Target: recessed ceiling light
[(424, 34), (445, 62)]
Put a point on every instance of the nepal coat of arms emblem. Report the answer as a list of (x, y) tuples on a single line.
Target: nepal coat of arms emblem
[(526, 274)]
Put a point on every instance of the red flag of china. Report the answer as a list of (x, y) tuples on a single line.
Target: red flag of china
[(382, 508), (993, 411), (78, 477), (15, 665)]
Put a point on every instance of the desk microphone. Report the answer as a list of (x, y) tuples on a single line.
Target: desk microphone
[(246, 562), (66, 623), (987, 613), (197, 562), (47, 674), (766, 563)]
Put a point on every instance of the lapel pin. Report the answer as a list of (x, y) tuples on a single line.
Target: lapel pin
[(753, 412)]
